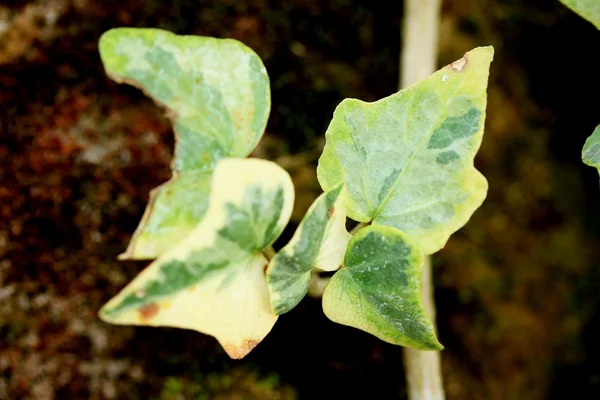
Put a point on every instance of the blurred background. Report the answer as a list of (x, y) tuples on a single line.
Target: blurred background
[(517, 289)]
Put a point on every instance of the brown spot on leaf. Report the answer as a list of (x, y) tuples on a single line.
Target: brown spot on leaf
[(330, 212), (147, 311), (241, 350), (459, 65), (265, 269)]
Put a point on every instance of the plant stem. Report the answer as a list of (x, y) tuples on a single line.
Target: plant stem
[(269, 253), (358, 227), (423, 369), (316, 288), (418, 61), (420, 40)]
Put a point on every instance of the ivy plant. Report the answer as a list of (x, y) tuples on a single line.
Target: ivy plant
[(401, 166), (588, 9)]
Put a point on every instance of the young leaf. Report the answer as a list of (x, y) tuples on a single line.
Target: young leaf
[(213, 281), (378, 289), (591, 150), (217, 94), (407, 160), (588, 9), (319, 242)]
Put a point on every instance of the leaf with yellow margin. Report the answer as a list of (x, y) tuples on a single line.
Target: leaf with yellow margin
[(378, 289), (407, 159), (216, 92), (319, 243), (213, 281)]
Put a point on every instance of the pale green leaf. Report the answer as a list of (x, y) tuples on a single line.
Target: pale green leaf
[(588, 9), (216, 92), (591, 150), (407, 160), (378, 289), (213, 280), (319, 242)]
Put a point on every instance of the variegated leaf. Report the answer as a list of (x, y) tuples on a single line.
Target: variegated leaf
[(213, 281), (407, 160), (319, 242), (216, 91), (378, 289)]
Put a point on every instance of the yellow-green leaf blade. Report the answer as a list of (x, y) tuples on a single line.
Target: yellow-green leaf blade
[(588, 9), (319, 242), (213, 281), (591, 150), (407, 160), (217, 94), (378, 289)]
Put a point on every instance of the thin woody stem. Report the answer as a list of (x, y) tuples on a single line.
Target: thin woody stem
[(418, 61)]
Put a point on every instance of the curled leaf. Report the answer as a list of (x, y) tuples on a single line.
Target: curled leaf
[(319, 242), (216, 92)]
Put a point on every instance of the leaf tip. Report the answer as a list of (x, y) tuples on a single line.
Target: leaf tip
[(484, 54), (432, 344), (104, 314), (126, 255), (241, 350)]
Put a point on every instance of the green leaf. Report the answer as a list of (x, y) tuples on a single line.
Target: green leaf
[(378, 289), (407, 160), (217, 94), (319, 243), (588, 9), (213, 281), (591, 150)]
